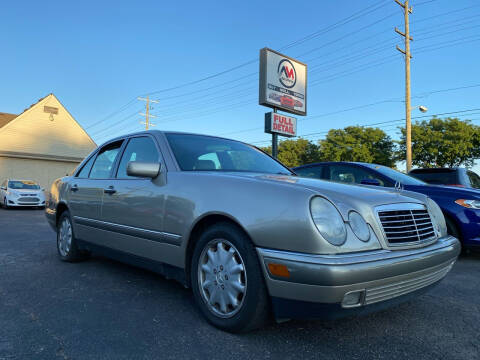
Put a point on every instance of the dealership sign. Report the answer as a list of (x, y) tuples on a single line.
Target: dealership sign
[(280, 124), (283, 82)]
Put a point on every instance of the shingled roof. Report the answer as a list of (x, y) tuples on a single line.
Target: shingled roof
[(5, 118)]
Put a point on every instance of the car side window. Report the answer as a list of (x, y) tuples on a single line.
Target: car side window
[(141, 149), (310, 172), (351, 174), (474, 179), (86, 168), (105, 161)]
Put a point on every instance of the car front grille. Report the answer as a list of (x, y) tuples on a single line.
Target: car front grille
[(28, 199), (407, 225)]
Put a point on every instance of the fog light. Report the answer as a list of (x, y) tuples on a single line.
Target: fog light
[(353, 299)]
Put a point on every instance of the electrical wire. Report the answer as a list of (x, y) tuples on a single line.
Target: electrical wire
[(330, 78), (474, 111)]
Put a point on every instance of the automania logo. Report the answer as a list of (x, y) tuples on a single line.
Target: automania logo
[(286, 73)]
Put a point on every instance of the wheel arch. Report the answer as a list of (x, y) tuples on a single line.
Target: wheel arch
[(201, 225), (450, 218), (61, 208)]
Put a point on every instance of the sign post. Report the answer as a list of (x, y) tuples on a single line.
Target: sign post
[(283, 86), (274, 140)]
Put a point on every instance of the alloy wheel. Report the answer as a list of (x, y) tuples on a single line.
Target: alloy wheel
[(65, 237)]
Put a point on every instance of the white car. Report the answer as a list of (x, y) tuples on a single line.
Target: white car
[(21, 193)]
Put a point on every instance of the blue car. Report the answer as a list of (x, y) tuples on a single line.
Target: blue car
[(460, 206)]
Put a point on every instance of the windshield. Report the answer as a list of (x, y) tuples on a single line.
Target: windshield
[(23, 185), (206, 153), (396, 175)]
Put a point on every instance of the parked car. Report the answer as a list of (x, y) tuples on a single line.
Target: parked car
[(17, 193), (461, 207), (448, 176), (245, 233)]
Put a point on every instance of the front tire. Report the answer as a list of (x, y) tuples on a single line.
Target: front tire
[(5, 203), (227, 280), (66, 243)]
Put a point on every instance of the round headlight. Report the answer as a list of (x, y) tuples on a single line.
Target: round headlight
[(359, 226), (328, 221), (437, 217)]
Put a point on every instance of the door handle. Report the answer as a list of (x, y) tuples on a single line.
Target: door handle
[(74, 188), (110, 190)]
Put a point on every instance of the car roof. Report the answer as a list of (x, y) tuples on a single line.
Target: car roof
[(434, 170), (159, 132), (337, 162)]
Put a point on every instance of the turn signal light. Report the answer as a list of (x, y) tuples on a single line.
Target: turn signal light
[(278, 270)]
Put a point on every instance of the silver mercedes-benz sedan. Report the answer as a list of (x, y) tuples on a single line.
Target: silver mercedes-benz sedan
[(245, 233)]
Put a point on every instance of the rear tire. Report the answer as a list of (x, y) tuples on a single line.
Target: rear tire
[(66, 243), (227, 280)]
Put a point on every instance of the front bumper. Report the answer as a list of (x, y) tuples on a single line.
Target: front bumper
[(356, 280), (12, 202)]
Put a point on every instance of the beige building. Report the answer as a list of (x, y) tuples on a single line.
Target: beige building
[(43, 143)]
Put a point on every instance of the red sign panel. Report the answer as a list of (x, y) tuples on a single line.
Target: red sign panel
[(280, 124)]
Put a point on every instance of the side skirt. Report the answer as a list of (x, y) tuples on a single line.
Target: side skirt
[(166, 270)]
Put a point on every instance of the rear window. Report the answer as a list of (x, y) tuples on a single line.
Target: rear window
[(446, 177)]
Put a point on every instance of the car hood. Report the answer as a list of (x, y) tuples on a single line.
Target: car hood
[(361, 195), (445, 191), (26, 191)]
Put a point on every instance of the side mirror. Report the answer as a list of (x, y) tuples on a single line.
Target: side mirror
[(374, 182), (3, 188), (143, 169)]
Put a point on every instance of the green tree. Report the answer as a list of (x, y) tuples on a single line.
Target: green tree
[(295, 152), (442, 143), (358, 143)]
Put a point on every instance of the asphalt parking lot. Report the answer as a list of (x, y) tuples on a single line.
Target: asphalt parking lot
[(101, 309)]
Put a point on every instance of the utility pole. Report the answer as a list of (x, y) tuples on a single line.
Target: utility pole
[(407, 10), (147, 111)]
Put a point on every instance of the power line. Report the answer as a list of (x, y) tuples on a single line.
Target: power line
[(345, 21), (330, 78), (234, 96), (472, 111), (423, 94), (193, 106), (123, 120), (211, 111), (301, 40)]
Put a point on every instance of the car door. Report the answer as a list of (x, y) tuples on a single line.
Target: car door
[(86, 191), (133, 210)]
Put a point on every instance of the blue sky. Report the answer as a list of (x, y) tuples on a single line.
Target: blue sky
[(97, 57)]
